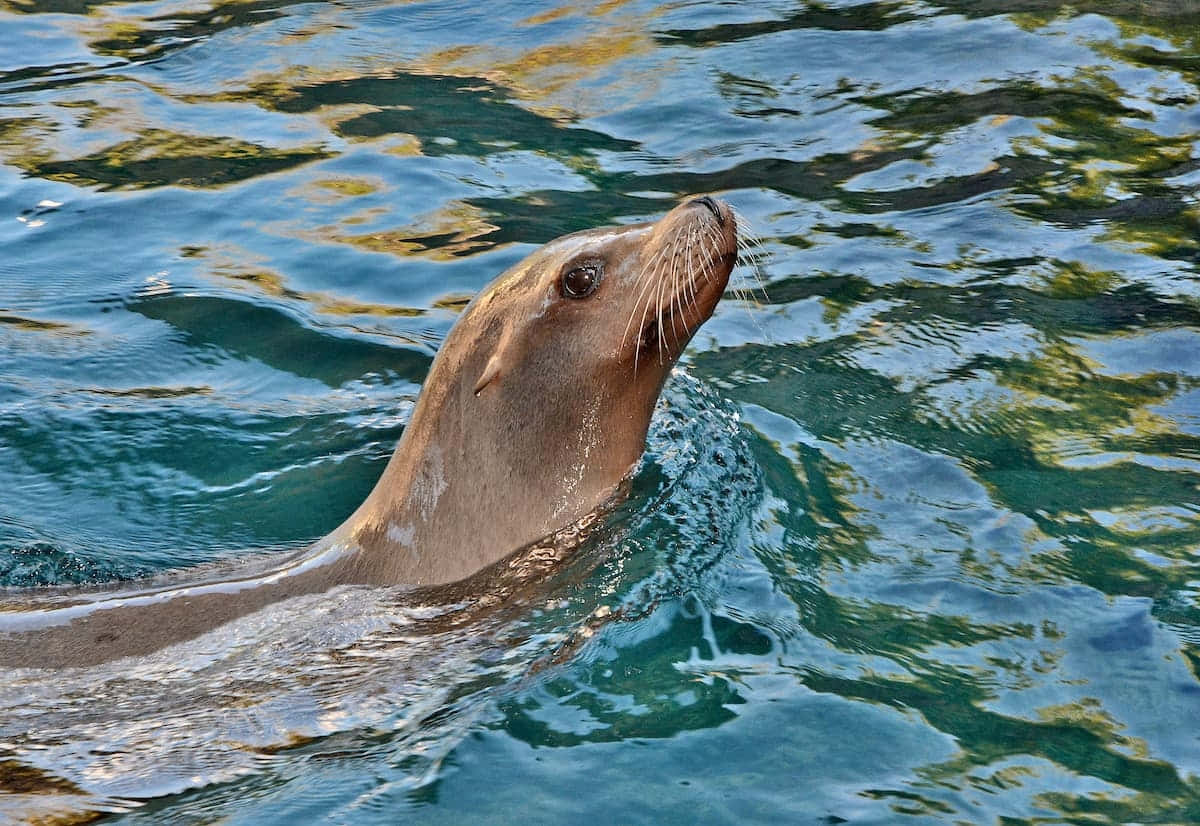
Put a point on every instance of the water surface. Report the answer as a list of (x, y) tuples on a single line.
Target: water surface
[(917, 538)]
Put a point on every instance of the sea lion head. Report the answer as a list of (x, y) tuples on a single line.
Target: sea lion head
[(538, 403), (589, 326), (617, 304)]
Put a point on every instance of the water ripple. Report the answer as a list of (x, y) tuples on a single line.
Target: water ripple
[(943, 569)]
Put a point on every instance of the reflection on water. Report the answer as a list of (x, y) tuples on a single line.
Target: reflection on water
[(960, 584)]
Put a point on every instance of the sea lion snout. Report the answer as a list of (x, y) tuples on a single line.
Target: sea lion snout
[(714, 206), (686, 262)]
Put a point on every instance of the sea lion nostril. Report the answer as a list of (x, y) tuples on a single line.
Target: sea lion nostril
[(713, 207)]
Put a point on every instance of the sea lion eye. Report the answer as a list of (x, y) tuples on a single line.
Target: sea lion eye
[(581, 281)]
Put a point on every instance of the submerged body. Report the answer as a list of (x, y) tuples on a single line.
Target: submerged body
[(535, 410)]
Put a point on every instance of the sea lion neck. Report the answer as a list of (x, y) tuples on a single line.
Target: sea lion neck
[(479, 475)]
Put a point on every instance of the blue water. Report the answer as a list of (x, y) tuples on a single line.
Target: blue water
[(917, 536)]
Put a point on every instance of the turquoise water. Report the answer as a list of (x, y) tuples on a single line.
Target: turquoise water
[(917, 537)]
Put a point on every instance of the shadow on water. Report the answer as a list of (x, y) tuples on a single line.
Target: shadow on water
[(266, 334), (179, 160), (860, 17), (818, 179), (449, 115)]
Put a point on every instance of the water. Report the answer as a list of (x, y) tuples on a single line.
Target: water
[(947, 569)]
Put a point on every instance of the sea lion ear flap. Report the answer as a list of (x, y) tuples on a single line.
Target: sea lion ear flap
[(490, 372), (495, 365)]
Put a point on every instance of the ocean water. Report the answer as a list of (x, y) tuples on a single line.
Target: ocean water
[(917, 536)]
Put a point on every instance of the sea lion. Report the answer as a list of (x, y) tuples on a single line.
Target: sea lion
[(535, 410)]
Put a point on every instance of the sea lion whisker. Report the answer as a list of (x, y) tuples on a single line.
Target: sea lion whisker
[(679, 286), (739, 292), (637, 350), (668, 285), (712, 242), (678, 289), (746, 254), (675, 277), (645, 280), (690, 286), (651, 278), (655, 262), (752, 249), (708, 269), (749, 241), (715, 242), (662, 345), (660, 294)]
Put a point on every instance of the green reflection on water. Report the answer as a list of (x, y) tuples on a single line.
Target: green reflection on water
[(969, 591)]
